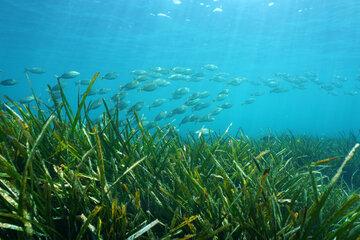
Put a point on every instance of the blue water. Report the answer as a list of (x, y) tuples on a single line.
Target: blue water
[(254, 39)]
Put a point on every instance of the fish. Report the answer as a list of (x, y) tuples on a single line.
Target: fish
[(149, 87), (278, 90), (221, 97), (161, 82), (182, 70), (177, 77), (180, 92), (103, 91), (130, 85), (96, 104), (162, 115), (226, 105), (327, 87), (179, 110), (158, 102), (248, 101), (192, 102), (154, 75), (84, 82), (257, 94), (161, 70), (218, 79), (216, 111), (202, 131), (211, 67), (56, 94), (68, 75), (163, 15), (225, 91), (194, 96), (91, 93), (237, 81), (27, 100), (8, 82), (204, 94), (201, 105), (206, 118), (139, 72), (110, 76), (195, 79), (136, 107), (272, 83), (150, 125), (35, 70), (141, 78), (186, 119), (121, 105), (118, 96)]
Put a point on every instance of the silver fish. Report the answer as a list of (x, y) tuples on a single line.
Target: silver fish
[(82, 82), (237, 81), (130, 85), (161, 82), (162, 115), (149, 87), (158, 102), (180, 92), (141, 78), (204, 94), (221, 97), (211, 67), (68, 75), (248, 101), (216, 111), (225, 91), (226, 105), (139, 72), (182, 70), (95, 104), (136, 107), (161, 70), (118, 96), (201, 105), (188, 119), (8, 82), (35, 70), (279, 90), (110, 76), (207, 118), (179, 110), (27, 99), (121, 105), (103, 91)]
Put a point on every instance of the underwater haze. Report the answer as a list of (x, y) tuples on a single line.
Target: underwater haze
[(267, 66)]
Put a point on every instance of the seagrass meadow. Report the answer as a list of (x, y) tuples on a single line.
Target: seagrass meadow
[(63, 176)]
